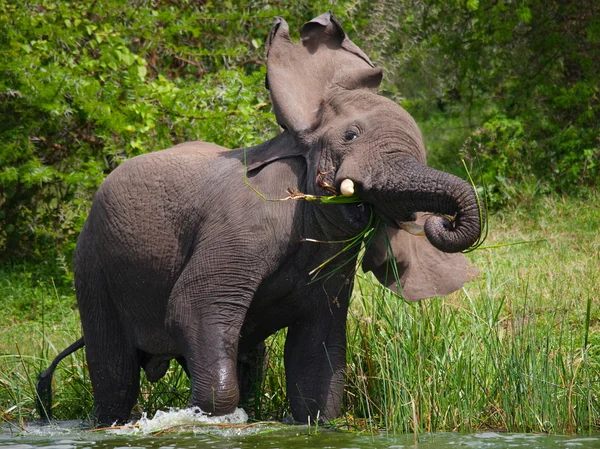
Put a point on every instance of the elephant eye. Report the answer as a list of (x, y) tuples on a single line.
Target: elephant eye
[(350, 136)]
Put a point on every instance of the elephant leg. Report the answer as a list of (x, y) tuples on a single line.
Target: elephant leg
[(251, 369), (205, 315), (315, 364), (115, 375), (113, 362), (210, 351), (114, 366)]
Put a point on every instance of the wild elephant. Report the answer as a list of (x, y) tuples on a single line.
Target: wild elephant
[(185, 255)]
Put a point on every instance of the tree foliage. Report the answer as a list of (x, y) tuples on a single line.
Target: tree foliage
[(518, 82), (85, 85)]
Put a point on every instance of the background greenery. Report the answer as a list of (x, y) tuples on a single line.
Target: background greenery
[(511, 86)]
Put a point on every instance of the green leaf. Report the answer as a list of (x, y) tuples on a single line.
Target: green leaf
[(142, 71), (473, 5), (524, 14)]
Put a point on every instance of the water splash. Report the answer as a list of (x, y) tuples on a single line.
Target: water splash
[(177, 418), (53, 429)]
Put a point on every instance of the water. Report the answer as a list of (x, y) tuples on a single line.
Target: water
[(185, 429)]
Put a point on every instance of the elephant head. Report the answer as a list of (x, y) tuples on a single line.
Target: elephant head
[(324, 93)]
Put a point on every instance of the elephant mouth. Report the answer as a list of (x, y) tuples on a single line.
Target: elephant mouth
[(411, 226), (357, 214)]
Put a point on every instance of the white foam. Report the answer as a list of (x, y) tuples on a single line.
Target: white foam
[(53, 429), (175, 417)]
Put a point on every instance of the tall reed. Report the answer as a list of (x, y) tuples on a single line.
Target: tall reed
[(441, 365), (517, 349)]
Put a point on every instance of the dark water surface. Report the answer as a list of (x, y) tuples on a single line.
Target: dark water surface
[(71, 435)]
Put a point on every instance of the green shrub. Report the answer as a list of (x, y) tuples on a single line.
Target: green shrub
[(84, 86), (516, 85)]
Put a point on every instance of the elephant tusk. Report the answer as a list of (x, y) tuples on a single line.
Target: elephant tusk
[(411, 227), (347, 187)]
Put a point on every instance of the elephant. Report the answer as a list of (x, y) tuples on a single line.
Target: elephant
[(198, 253)]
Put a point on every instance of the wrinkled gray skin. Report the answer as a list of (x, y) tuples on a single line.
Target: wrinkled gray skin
[(179, 258)]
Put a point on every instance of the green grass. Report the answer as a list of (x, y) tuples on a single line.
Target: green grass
[(517, 349), (38, 320)]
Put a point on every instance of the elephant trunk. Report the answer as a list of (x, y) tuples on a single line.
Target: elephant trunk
[(409, 187)]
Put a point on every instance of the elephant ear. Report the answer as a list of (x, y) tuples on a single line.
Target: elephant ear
[(423, 270), (300, 75), (281, 147)]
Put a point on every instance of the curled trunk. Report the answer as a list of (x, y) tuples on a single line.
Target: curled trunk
[(399, 194)]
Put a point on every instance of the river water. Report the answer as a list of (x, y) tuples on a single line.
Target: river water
[(185, 429)]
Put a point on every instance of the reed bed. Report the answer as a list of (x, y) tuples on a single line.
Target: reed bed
[(517, 349)]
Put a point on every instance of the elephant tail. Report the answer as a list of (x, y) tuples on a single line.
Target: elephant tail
[(44, 382)]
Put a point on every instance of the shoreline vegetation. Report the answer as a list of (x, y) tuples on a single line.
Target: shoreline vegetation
[(511, 89), (517, 350)]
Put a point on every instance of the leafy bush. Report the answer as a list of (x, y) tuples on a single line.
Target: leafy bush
[(516, 82), (499, 154), (85, 86)]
